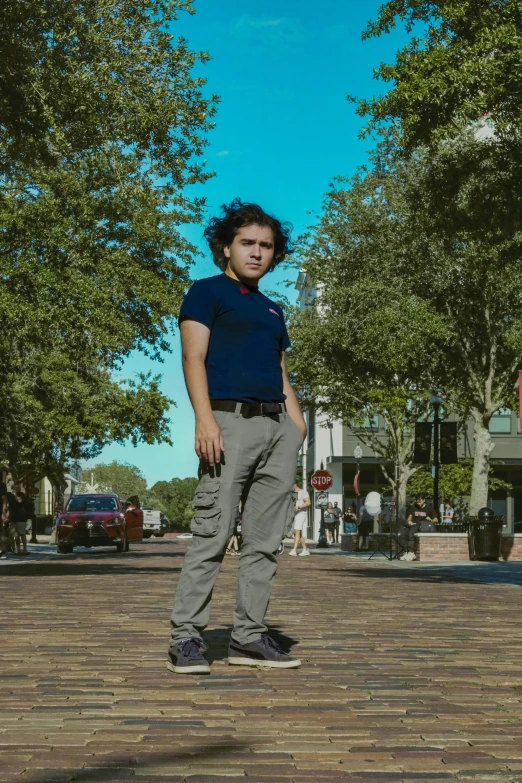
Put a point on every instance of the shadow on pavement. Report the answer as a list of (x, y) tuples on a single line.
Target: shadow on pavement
[(123, 766), (491, 573), (218, 639), (99, 562)]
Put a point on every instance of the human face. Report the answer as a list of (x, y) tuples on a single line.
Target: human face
[(251, 254)]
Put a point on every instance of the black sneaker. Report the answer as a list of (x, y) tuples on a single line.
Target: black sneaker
[(185, 657), (263, 652)]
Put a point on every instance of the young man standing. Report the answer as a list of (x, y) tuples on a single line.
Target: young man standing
[(249, 429), (300, 520)]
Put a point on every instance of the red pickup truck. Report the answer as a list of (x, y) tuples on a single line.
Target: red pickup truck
[(99, 520)]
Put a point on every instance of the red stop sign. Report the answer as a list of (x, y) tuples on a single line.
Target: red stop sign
[(321, 479)]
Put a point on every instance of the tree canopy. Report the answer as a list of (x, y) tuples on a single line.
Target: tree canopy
[(122, 478), (102, 129), (419, 282), (461, 64), (175, 498)]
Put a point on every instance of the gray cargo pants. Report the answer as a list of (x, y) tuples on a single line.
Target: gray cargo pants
[(259, 466)]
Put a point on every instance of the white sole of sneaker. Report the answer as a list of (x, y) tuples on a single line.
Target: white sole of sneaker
[(264, 664), (197, 669)]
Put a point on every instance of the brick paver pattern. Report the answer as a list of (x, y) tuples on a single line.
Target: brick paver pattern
[(407, 675)]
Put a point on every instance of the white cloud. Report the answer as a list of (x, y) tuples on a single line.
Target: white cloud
[(222, 154), (265, 29)]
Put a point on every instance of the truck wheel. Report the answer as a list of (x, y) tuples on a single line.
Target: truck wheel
[(64, 549)]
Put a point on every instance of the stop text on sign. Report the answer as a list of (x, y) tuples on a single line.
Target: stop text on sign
[(321, 479)]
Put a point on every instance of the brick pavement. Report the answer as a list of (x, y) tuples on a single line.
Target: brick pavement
[(408, 675)]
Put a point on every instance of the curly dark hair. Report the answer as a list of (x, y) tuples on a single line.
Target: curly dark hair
[(221, 231)]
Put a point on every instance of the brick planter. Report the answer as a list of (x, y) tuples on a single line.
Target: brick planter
[(434, 547), (447, 547), (437, 547)]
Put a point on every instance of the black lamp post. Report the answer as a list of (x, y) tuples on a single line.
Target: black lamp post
[(357, 453), (436, 401)]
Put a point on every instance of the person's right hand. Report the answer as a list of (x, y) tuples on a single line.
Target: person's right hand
[(209, 443)]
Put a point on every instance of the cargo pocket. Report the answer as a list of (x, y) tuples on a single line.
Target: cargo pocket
[(205, 522), (206, 513), (206, 493)]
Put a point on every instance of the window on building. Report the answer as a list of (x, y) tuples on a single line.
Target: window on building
[(501, 422), (369, 423)]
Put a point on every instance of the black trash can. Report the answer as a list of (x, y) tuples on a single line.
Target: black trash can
[(485, 535)]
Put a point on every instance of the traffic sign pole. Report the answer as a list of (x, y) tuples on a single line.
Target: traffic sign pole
[(322, 480)]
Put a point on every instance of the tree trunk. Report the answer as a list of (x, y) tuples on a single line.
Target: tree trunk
[(483, 447), (403, 485)]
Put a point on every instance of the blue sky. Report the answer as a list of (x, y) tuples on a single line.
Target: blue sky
[(284, 129)]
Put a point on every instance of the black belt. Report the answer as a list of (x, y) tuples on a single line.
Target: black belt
[(248, 410)]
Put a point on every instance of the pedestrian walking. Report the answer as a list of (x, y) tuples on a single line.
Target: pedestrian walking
[(289, 524), (338, 515), (18, 522), (234, 545), (300, 520), (329, 521), (364, 529), (249, 430)]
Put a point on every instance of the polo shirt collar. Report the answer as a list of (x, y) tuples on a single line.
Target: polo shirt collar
[(251, 288)]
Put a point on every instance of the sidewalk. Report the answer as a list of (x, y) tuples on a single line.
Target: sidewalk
[(408, 674)]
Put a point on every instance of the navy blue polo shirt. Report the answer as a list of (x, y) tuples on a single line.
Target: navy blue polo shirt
[(247, 337)]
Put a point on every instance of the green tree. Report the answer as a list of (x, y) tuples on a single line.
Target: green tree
[(176, 498), (456, 481), (461, 63), (59, 414), (102, 127), (120, 477), (360, 349), (75, 76), (419, 282)]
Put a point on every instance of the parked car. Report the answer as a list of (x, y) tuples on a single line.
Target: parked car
[(185, 535), (99, 520)]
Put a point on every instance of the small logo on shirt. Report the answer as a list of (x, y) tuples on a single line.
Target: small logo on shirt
[(244, 290), (274, 312)]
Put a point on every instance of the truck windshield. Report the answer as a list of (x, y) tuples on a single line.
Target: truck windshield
[(79, 503)]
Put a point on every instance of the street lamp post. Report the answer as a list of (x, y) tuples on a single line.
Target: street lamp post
[(436, 401), (357, 453)]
